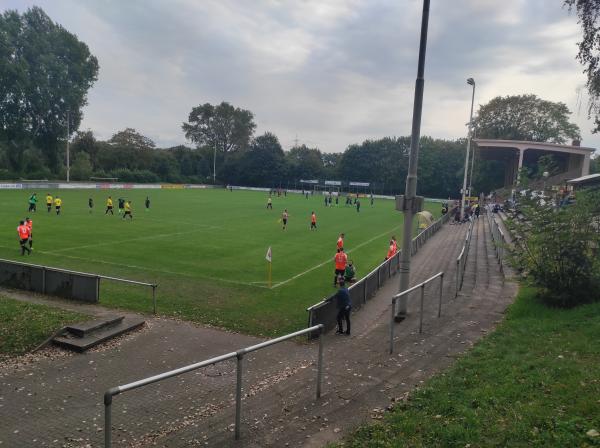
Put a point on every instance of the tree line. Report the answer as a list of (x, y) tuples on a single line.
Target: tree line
[(46, 72)]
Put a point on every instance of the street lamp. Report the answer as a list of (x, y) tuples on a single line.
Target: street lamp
[(471, 82), (411, 203)]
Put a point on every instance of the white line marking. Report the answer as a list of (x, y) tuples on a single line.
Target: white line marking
[(330, 260), (113, 242), (143, 268)]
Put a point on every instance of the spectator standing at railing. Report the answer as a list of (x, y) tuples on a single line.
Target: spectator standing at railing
[(340, 259), (344, 306)]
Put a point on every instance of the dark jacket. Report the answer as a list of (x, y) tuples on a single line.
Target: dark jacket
[(342, 298)]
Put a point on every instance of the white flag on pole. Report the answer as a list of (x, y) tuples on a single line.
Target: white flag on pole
[(268, 256)]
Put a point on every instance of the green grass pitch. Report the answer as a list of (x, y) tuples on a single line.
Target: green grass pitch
[(206, 250)]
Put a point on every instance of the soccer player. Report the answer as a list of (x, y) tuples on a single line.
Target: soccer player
[(127, 208), (57, 205), (372, 200), (49, 201), (340, 241), (284, 218), (147, 203), (121, 205), (313, 221), (29, 225), (23, 233), (33, 202), (91, 204), (270, 203), (357, 205), (390, 252), (109, 206), (340, 260)]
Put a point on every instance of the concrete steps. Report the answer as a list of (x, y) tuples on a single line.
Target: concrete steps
[(85, 335)]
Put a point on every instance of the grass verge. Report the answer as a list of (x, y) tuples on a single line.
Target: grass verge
[(535, 381), (23, 326)]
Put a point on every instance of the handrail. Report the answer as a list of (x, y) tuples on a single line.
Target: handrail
[(461, 260), (408, 291), (239, 354), (89, 275), (499, 240)]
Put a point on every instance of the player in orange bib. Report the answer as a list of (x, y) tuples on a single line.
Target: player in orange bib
[(391, 251), (340, 241), (340, 265), (23, 233), (313, 221), (29, 225)]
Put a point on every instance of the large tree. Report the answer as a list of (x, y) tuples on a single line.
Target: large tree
[(262, 165), (45, 74), (588, 14), (304, 163), (131, 138), (525, 117), (223, 127)]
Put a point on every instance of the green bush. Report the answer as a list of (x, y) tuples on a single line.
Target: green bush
[(560, 250)]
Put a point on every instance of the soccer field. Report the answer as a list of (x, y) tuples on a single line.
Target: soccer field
[(205, 249)]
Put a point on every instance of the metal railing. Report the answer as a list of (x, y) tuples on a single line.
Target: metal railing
[(408, 291), (325, 312), (461, 260), (37, 280), (498, 238), (135, 282), (239, 354)]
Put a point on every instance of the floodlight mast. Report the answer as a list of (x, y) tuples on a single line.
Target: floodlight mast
[(471, 82), (410, 202)]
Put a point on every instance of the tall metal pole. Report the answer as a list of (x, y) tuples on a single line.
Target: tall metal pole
[(472, 159), (68, 153), (215, 167), (411, 177), (470, 81)]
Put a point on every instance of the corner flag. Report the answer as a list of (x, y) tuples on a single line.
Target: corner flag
[(268, 256)]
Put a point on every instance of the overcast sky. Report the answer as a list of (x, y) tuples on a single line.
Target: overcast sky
[(327, 72)]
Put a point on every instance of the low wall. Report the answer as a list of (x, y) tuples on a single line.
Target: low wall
[(51, 281)]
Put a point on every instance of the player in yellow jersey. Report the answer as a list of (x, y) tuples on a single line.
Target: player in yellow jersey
[(109, 206), (127, 210), (57, 205), (49, 199)]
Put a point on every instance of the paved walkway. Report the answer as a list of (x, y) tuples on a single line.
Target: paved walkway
[(58, 401)]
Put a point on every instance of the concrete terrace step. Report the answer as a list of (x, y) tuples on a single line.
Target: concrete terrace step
[(100, 334), (84, 328)]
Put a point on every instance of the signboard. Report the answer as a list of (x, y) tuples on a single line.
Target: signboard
[(333, 182), (314, 181), (359, 184), (10, 186), (172, 186)]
